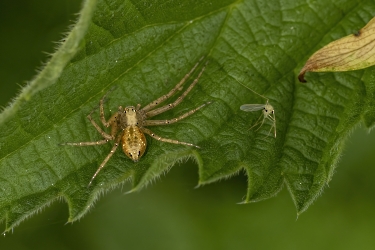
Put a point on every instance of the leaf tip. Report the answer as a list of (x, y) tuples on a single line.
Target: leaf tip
[(70, 220), (131, 191), (243, 202), (357, 33), (298, 214)]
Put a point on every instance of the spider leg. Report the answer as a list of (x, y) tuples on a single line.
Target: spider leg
[(99, 129), (174, 90), (178, 100), (101, 107), (107, 137), (102, 118), (153, 135), (89, 143), (166, 122), (113, 150)]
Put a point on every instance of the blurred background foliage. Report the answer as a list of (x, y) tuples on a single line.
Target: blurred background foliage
[(171, 214)]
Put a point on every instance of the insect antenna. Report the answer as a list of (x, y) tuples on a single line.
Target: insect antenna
[(251, 90)]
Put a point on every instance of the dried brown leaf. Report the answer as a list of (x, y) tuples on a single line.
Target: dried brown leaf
[(352, 52)]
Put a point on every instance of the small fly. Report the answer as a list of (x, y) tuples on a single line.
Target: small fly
[(268, 112)]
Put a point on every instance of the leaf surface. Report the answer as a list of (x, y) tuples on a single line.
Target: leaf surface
[(145, 48)]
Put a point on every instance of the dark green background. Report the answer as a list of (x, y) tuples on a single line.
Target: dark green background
[(171, 214)]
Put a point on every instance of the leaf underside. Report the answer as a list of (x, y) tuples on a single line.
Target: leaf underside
[(145, 48)]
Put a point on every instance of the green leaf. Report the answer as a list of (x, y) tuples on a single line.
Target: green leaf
[(145, 48), (56, 64)]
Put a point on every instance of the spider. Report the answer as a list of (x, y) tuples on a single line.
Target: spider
[(128, 125)]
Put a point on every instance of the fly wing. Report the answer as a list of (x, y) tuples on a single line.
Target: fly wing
[(252, 107)]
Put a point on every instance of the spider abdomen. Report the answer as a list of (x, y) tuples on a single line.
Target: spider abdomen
[(133, 142)]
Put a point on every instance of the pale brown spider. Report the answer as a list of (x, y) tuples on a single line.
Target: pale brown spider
[(128, 124)]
